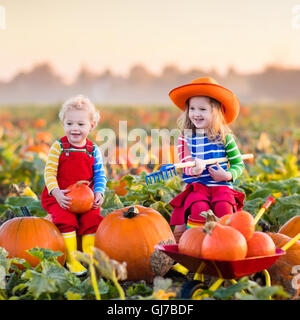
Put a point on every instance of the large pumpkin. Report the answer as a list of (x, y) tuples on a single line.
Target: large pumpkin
[(292, 227), (130, 234), (23, 233), (282, 272)]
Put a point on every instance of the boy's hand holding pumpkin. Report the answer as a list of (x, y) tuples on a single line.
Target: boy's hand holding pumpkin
[(98, 200), (60, 197)]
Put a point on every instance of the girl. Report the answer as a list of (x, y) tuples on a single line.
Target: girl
[(70, 159), (208, 109)]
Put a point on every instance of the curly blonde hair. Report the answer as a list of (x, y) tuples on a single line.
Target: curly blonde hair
[(80, 102), (218, 128)]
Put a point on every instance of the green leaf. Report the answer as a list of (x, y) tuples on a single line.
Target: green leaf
[(39, 283), (20, 201), (253, 205), (103, 286), (163, 208), (285, 208), (111, 200), (129, 180), (262, 293), (9, 263), (229, 292), (20, 287), (139, 289), (261, 193), (44, 254), (83, 288), (55, 272)]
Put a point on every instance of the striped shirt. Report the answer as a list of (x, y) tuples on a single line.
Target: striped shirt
[(199, 146), (51, 168)]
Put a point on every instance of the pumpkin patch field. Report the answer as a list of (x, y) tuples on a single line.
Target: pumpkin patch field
[(126, 264)]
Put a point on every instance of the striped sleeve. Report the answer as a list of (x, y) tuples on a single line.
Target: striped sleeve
[(100, 179), (184, 154), (51, 166), (234, 156)]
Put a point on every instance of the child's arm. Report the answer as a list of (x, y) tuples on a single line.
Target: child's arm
[(233, 154), (51, 166), (100, 179)]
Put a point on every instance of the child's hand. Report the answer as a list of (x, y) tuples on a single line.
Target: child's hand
[(60, 197), (98, 200), (199, 167), (220, 174)]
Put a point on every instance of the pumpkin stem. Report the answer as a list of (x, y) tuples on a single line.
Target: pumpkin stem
[(83, 181), (209, 215), (209, 226), (131, 212), (25, 212)]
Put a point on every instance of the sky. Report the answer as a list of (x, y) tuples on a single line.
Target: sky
[(118, 34)]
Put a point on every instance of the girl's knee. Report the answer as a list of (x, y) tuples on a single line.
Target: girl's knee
[(221, 208), (197, 208)]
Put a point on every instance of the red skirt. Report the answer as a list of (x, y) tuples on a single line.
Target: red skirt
[(198, 192)]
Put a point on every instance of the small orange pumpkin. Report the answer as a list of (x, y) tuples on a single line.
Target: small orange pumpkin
[(120, 188), (39, 123), (130, 234), (38, 148), (23, 233), (225, 219), (82, 197), (260, 244), (190, 242), (242, 221), (223, 243)]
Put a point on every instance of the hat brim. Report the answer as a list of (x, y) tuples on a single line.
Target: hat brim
[(228, 99)]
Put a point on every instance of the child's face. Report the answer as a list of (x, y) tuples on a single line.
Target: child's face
[(77, 125), (200, 112)]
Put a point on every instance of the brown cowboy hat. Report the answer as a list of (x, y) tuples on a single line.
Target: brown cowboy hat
[(207, 86)]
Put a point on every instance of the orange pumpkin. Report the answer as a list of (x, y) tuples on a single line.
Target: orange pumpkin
[(242, 221), (23, 233), (284, 271), (223, 243), (43, 136), (190, 242), (291, 228), (260, 244), (39, 148), (225, 219), (82, 197), (120, 188), (130, 234), (39, 123)]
